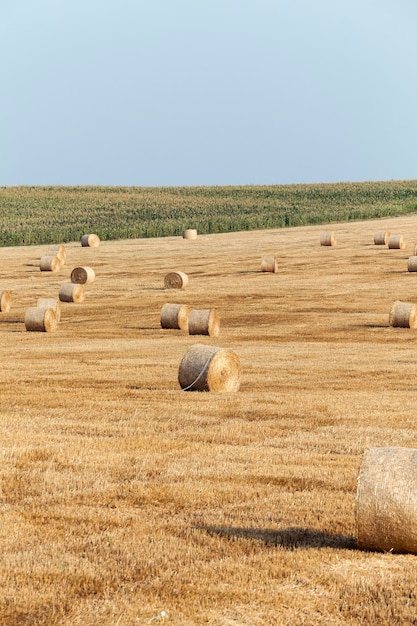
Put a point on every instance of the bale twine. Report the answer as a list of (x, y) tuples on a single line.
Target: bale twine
[(328, 238), (49, 263), (403, 314), (71, 292), (52, 303), (381, 237), (175, 316), (386, 500), (396, 242), (204, 322), (5, 301), (41, 319), (189, 233), (206, 368), (83, 275), (59, 251), (90, 241), (269, 264), (412, 264), (175, 280)]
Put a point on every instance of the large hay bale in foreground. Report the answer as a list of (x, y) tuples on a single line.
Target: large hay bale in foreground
[(5, 301), (72, 292), (386, 500), (53, 303), (50, 263), (83, 275), (396, 242), (381, 237), (176, 280), (269, 264), (207, 368), (175, 316), (204, 322), (41, 319), (328, 238), (189, 233), (90, 241), (403, 314)]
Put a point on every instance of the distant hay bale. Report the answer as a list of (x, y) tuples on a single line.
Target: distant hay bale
[(90, 241), (403, 314), (176, 280), (189, 233), (207, 368), (396, 242), (83, 275), (71, 292), (59, 251), (328, 238), (175, 316), (41, 319), (204, 322), (50, 263), (269, 264), (381, 237), (412, 264), (52, 303), (386, 500), (5, 301)]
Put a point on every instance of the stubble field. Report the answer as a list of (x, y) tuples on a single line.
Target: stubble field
[(126, 500)]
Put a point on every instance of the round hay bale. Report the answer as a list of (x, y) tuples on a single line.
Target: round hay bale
[(412, 264), (59, 251), (403, 314), (41, 319), (175, 316), (49, 263), (206, 368), (269, 264), (52, 303), (83, 275), (189, 233), (204, 322), (5, 301), (175, 280), (71, 292), (328, 238), (396, 242), (90, 241), (386, 500), (381, 237)]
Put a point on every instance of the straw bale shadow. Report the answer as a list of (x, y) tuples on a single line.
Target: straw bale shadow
[(289, 538)]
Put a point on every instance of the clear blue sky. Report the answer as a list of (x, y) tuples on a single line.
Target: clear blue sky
[(207, 92)]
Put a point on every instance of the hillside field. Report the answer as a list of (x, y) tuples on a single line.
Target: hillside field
[(126, 500)]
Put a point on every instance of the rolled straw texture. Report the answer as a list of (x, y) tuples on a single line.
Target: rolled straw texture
[(328, 238), (52, 303), (71, 292), (386, 500), (83, 275), (5, 301), (90, 241), (269, 264), (381, 237), (49, 264), (59, 251), (175, 280), (396, 242), (412, 264), (175, 316), (403, 314), (204, 322), (41, 319), (189, 233), (207, 368)]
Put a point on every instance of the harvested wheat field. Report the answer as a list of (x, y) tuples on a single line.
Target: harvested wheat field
[(126, 500)]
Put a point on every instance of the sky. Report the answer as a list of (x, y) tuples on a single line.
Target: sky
[(207, 92)]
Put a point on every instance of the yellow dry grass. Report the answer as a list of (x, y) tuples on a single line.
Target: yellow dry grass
[(125, 500)]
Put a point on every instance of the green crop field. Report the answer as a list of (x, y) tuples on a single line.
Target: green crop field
[(40, 215)]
